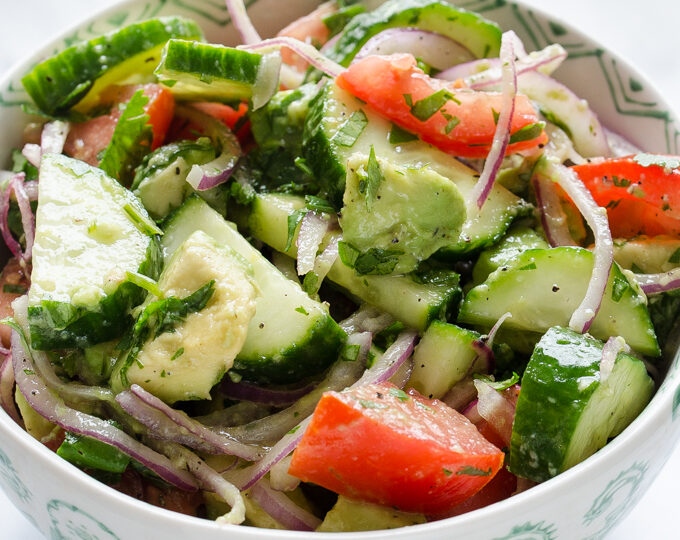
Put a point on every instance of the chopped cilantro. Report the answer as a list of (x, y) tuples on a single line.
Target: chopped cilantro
[(636, 269), (317, 204), (619, 287), (527, 133), (145, 282), (399, 135), (473, 471), (351, 129), (179, 352), (310, 283), (368, 404), (675, 258), (301, 309), (373, 179), (620, 182), (550, 117), (294, 429), (446, 471), (530, 266), (452, 122), (499, 385), (399, 394), (374, 261), (350, 353), (301, 163), (408, 98), (425, 108)]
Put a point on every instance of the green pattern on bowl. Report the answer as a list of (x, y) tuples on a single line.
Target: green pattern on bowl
[(531, 531), (68, 522), (10, 481)]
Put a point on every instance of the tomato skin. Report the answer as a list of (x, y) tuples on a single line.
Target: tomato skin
[(87, 139), (639, 199), (378, 444), (308, 29), (15, 275), (384, 81)]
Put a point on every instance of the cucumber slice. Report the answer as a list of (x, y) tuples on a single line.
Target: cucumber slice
[(160, 181), (481, 36), (443, 357), (291, 336), (91, 234), (207, 72), (516, 241), (416, 301), (543, 287), (565, 412), (327, 158), (77, 75), (648, 255)]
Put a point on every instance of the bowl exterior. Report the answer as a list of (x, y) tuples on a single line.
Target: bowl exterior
[(586, 502)]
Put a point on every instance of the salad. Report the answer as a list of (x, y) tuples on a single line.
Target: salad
[(377, 270)]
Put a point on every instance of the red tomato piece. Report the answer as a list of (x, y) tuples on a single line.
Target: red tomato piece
[(379, 444), (87, 139), (464, 125), (640, 199), (308, 29), (14, 282)]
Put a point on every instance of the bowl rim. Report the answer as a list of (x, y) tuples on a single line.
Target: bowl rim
[(646, 421)]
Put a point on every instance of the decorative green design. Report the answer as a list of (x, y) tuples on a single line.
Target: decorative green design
[(615, 501), (482, 5), (557, 29), (11, 481), (117, 19), (635, 85), (624, 93), (676, 403), (531, 531), (68, 522)]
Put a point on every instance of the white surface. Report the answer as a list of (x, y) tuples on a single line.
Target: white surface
[(646, 34)]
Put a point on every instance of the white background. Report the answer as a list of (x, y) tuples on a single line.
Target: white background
[(645, 33)]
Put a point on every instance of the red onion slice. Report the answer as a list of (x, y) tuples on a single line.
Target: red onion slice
[(471, 412), (390, 361), (32, 153), (218, 171), (270, 396), (367, 319), (282, 509), (325, 261), (175, 425), (496, 327), (553, 218), (603, 252), (305, 50), (27, 217), (242, 23), (54, 136), (659, 283), (610, 351), (53, 408), (210, 480), (435, 49), (10, 241), (493, 407), (7, 390), (312, 231), (461, 394), (486, 72), (501, 137)]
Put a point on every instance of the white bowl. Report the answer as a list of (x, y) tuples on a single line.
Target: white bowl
[(584, 502)]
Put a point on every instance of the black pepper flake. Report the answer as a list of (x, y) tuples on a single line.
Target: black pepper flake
[(261, 325), (555, 288)]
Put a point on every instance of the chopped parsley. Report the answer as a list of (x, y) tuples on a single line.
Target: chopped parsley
[(301, 309), (179, 352), (399, 394), (499, 385), (375, 261), (399, 135), (351, 129), (368, 404), (312, 204), (675, 258), (473, 471), (527, 133), (425, 108), (619, 287), (350, 353), (374, 177)]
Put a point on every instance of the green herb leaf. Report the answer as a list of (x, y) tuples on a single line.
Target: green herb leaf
[(473, 471), (143, 222), (550, 117), (179, 352), (619, 287), (447, 472), (145, 282), (350, 353), (425, 108), (12, 288), (338, 20), (399, 135), (294, 220), (452, 122), (675, 258), (399, 394), (319, 205), (368, 404), (527, 133), (499, 385), (301, 309), (351, 129), (374, 178), (130, 141)]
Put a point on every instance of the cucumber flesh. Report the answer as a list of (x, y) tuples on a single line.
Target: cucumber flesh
[(543, 287), (208, 72), (565, 412), (291, 336), (81, 291), (479, 35), (410, 299), (76, 76)]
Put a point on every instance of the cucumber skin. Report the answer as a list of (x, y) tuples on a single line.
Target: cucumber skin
[(407, 13), (320, 151), (86, 327), (192, 57), (549, 384), (326, 337), (61, 81)]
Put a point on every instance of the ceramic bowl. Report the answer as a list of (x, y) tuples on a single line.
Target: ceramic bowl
[(585, 502)]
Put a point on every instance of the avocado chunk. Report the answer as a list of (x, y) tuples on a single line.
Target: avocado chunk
[(187, 360), (566, 409), (406, 214), (348, 516)]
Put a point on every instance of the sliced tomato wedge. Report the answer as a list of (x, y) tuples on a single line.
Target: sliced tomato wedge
[(309, 29), (377, 443), (460, 122), (87, 139), (14, 282), (641, 193)]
